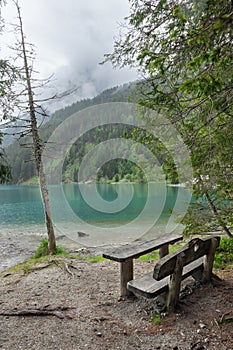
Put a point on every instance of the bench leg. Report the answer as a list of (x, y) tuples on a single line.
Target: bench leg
[(209, 261), (174, 285), (126, 273), (163, 251)]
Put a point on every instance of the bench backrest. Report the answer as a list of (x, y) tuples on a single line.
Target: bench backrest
[(194, 250)]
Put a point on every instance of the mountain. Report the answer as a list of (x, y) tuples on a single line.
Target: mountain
[(20, 154)]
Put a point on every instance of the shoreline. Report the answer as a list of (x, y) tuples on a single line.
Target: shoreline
[(17, 247), (90, 182)]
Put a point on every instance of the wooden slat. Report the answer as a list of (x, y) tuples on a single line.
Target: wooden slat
[(148, 287), (136, 249), (194, 250)]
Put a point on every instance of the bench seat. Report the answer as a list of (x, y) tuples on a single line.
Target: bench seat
[(195, 259), (128, 252), (148, 287)]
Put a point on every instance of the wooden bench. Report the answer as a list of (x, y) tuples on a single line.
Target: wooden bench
[(195, 259), (126, 253)]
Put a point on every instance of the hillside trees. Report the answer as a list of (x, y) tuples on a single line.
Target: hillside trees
[(5, 173), (18, 156), (184, 52), (7, 77)]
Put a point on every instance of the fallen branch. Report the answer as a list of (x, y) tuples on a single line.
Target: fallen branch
[(226, 318), (41, 267), (68, 270), (74, 267), (39, 312)]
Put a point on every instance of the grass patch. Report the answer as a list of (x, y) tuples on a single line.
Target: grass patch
[(43, 250), (42, 256), (27, 265), (95, 259), (156, 319), (155, 254), (151, 256)]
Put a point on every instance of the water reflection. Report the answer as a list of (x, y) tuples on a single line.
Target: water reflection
[(21, 206)]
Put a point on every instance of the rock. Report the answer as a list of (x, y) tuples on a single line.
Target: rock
[(99, 334), (82, 234), (202, 325)]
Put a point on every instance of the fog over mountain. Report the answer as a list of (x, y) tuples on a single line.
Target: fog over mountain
[(71, 38)]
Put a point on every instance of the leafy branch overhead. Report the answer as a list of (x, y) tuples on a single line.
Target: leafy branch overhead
[(184, 53)]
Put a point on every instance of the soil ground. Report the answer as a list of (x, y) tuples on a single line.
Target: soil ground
[(74, 304)]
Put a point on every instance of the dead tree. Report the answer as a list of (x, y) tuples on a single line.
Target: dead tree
[(37, 143)]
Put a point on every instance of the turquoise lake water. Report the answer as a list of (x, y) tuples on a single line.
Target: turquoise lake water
[(105, 212)]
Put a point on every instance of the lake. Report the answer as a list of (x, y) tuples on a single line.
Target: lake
[(95, 214)]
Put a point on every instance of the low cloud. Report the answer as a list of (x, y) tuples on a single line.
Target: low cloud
[(71, 38)]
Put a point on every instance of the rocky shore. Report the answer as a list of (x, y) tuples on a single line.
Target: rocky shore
[(16, 247)]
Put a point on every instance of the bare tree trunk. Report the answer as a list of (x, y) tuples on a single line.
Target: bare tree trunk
[(37, 144)]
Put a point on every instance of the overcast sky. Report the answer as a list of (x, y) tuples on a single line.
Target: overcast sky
[(71, 38)]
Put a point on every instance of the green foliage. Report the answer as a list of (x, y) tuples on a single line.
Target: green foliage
[(155, 254), (61, 251), (151, 256), (156, 319), (116, 170), (26, 269), (32, 181), (186, 56), (20, 159), (226, 245), (5, 172), (95, 259), (224, 253), (43, 250)]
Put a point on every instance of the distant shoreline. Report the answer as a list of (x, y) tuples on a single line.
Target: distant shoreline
[(27, 183)]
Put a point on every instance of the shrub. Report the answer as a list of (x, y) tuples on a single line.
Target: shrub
[(224, 253), (43, 250)]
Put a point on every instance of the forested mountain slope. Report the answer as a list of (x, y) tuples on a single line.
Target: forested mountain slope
[(21, 158)]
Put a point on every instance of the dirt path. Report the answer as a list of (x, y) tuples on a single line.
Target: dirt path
[(81, 309)]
